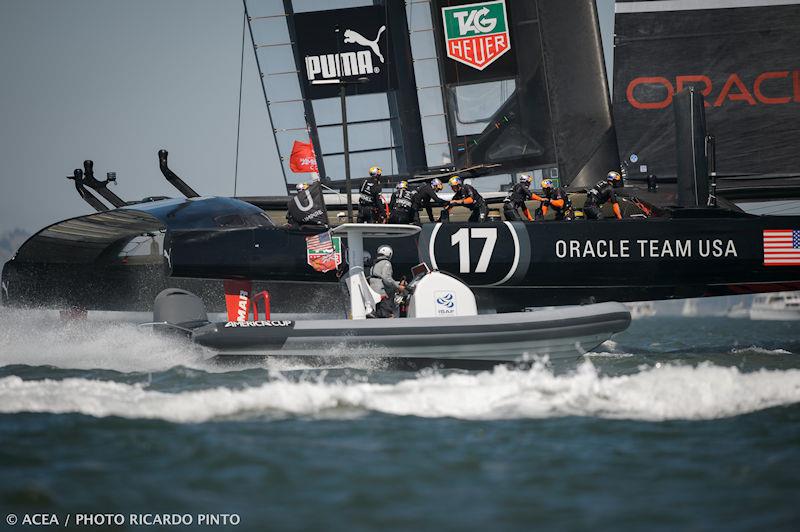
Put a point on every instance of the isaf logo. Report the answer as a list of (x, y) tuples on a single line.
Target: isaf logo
[(445, 303), (476, 34), (347, 64)]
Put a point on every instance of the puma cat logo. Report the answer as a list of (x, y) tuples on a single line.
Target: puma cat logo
[(353, 37)]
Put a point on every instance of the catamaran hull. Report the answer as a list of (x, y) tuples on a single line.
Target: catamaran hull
[(558, 333), (120, 259)]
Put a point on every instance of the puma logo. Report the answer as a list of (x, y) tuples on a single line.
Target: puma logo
[(353, 37)]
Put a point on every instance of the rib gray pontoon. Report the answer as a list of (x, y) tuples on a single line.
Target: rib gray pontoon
[(443, 321)]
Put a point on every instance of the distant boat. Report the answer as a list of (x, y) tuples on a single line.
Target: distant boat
[(776, 306), (689, 308), (738, 311), (641, 309)]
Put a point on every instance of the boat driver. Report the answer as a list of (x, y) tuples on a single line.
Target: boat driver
[(516, 198), (555, 197), (602, 193), (402, 204), (381, 279), (370, 203), (465, 195)]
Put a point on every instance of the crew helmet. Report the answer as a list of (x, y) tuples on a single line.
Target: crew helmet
[(402, 185), (375, 171), (301, 187), (614, 177), (547, 183), (436, 183), (455, 181), (385, 251), (526, 178)]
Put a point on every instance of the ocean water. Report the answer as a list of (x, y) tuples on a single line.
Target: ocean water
[(677, 424)]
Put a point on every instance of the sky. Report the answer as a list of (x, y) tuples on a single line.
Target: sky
[(116, 80)]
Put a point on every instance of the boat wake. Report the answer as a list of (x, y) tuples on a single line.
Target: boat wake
[(114, 342), (38, 339), (663, 392)]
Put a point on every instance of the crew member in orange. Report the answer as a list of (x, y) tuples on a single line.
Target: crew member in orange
[(467, 196), (555, 197)]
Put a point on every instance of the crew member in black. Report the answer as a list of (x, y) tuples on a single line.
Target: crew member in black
[(370, 203), (467, 196), (602, 193), (402, 204), (555, 197), (517, 196), (426, 198)]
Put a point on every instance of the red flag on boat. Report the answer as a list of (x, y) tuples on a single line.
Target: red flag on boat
[(303, 158)]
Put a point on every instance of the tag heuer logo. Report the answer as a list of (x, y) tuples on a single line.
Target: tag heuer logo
[(476, 34)]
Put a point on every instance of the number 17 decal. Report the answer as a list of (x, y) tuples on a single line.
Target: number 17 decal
[(486, 255), (462, 237)]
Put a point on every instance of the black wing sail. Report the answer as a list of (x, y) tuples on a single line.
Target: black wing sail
[(742, 59), (306, 51), (514, 85), (524, 86)]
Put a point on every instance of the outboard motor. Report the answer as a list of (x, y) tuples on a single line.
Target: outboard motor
[(177, 309), (438, 295)]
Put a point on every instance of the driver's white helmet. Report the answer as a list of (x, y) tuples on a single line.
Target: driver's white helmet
[(385, 251)]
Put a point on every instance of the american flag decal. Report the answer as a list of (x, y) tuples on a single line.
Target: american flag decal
[(320, 243), (781, 247), (323, 252)]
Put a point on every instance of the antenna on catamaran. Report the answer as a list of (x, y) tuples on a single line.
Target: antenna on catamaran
[(174, 180), (101, 186), (88, 197)]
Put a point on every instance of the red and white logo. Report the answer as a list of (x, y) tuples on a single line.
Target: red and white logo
[(476, 34)]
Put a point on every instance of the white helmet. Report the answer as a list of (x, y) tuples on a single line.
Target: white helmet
[(385, 251)]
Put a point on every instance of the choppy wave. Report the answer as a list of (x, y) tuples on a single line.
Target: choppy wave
[(654, 394), (754, 349), (611, 355)]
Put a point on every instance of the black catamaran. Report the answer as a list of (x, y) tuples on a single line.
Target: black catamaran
[(502, 87)]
